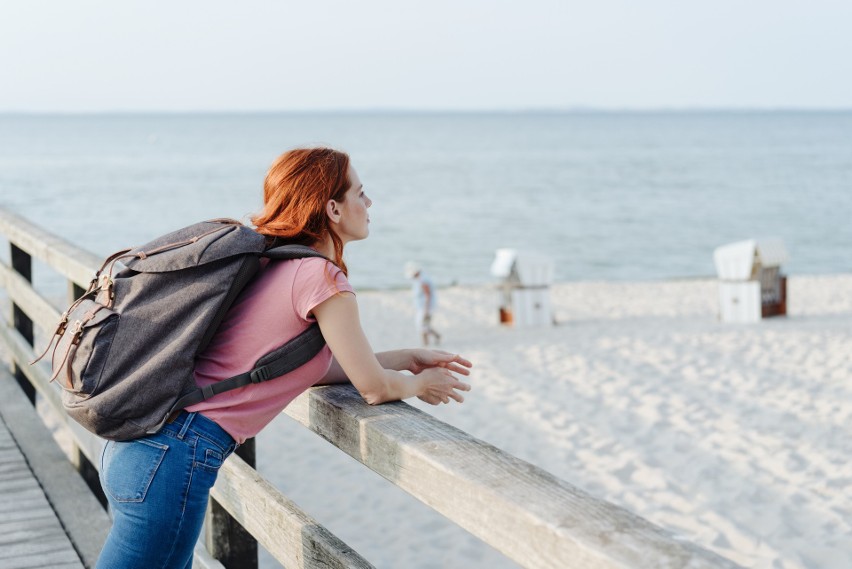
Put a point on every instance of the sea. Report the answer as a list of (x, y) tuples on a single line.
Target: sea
[(616, 196), (608, 196)]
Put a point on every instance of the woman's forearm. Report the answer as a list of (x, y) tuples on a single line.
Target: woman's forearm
[(334, 375), (395, 386), (433, 379), (399, 360), (391, 386)]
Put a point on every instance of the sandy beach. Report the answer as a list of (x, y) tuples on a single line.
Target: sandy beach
[(736, 437)]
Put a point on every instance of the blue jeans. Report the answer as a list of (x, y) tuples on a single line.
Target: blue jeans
[(158, 487)]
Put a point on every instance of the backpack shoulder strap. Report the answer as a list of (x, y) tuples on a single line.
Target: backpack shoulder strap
[(293, 354), (283, 252)]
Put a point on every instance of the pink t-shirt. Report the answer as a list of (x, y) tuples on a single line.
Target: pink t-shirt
[(271, 311)]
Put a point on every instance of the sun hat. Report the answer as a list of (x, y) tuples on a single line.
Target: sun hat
[(411, 269)]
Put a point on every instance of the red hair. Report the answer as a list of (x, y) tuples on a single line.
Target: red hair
[(296, 190)]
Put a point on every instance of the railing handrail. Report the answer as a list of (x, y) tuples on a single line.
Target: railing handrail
[(526, 513)]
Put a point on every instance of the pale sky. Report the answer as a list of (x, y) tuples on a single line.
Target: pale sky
[(258, 55)]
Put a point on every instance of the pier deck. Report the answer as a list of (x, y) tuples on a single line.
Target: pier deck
[(48, 517)]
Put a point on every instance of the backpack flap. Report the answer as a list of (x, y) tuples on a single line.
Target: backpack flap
[(198, 244)]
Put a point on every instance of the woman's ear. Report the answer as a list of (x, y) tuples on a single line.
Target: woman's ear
[(332, 209)]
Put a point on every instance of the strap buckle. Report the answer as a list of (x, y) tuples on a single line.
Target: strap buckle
[(258, 375)]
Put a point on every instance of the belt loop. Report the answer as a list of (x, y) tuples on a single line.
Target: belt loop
[(185, 427)]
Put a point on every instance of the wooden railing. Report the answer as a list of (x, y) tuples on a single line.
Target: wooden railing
[(529, 515)]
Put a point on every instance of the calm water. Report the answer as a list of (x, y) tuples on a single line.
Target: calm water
[(615, 196), (633, 196)]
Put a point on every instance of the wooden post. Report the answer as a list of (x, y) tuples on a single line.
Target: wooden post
[(22, 264), (89, 474), (226, 540)]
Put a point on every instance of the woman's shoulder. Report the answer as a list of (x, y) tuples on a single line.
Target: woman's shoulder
[(320, 272), (315, 281), (301, 271), (318, 265)]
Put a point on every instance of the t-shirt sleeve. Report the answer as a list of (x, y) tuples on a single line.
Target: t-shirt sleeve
[(316, 281)]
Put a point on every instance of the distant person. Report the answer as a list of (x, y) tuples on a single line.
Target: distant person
[(158, 486), (425, 301)]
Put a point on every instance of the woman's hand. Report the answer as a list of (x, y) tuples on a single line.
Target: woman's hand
[(438, 385), (425, 359)]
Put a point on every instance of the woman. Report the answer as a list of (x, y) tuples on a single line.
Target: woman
[(158, 486)]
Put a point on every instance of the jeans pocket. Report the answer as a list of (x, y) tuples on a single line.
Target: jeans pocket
[(209, 456), (129, 468)]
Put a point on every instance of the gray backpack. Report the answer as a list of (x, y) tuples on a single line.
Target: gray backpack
[(125, 350)]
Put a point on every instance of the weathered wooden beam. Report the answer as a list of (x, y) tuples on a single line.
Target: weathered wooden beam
[(291, 536), (526, 513), (42, 313), (69, 260)]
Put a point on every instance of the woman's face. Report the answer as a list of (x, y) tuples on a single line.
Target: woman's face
[(354, 221)]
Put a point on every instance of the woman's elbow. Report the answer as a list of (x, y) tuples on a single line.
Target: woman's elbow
[(374, 396), (374, 386)]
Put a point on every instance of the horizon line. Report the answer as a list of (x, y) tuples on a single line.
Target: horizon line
[(436, 111)]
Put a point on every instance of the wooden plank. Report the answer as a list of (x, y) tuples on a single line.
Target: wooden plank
[(14, 520), (38, 539), (39, 309), (69, 260), (292, 537), (526, 513), (83, 518)]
